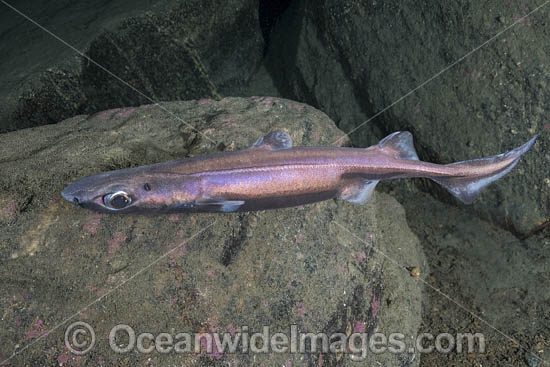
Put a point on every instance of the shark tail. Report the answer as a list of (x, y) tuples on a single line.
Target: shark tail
[(465, 179), (466, 187)]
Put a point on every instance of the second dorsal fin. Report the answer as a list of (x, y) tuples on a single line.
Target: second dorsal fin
[(275, 140), (400, 145)]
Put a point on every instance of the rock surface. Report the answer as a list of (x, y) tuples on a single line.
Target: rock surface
[(327, 267), (353, 59), (169, 50), (487, 271)]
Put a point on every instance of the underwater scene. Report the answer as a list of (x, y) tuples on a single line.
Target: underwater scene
[(274, 183)]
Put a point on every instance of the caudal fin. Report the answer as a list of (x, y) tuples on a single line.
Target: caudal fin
[(466, 187)]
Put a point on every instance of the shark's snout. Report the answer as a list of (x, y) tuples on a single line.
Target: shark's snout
[(71, 196)]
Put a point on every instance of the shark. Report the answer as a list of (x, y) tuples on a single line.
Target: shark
[(273, 174)]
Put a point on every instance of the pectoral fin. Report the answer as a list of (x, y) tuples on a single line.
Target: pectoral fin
[(226, 206), (275, 140), (358, 192)]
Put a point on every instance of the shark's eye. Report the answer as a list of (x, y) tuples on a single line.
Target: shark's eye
[(117, 200)]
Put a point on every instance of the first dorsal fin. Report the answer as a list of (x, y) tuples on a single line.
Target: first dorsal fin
[(275, 140), (400, 145)]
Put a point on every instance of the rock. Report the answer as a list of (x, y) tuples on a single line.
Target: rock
[(357, 59), (486, 270), (169, 51), (325, 268)]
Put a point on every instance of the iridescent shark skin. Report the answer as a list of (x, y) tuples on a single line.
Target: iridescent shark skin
[(272, 174)]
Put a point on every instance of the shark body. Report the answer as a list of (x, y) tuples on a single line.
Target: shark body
[(272, 174)]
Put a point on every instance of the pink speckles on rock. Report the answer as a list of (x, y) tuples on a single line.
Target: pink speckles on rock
[(316, 136), (300, 309), (375, 306), (359, 327), (231, 329), (31, 334), (297, 106), (370, 238), (214, 352), (211, 274), (63, 358), (213, 328), (181, 251), (114, 243), (181, 273), (175, 254), (36, 330), (265, 103), (91, 223), (174, 217), (104, 115), (125, 112), (288, 363), (10, 210), (361, 256), (97, 291)]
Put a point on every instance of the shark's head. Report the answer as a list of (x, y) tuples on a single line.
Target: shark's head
[(132, 190)]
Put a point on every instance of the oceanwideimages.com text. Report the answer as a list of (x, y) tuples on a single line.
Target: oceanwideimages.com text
[(80, 339)]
